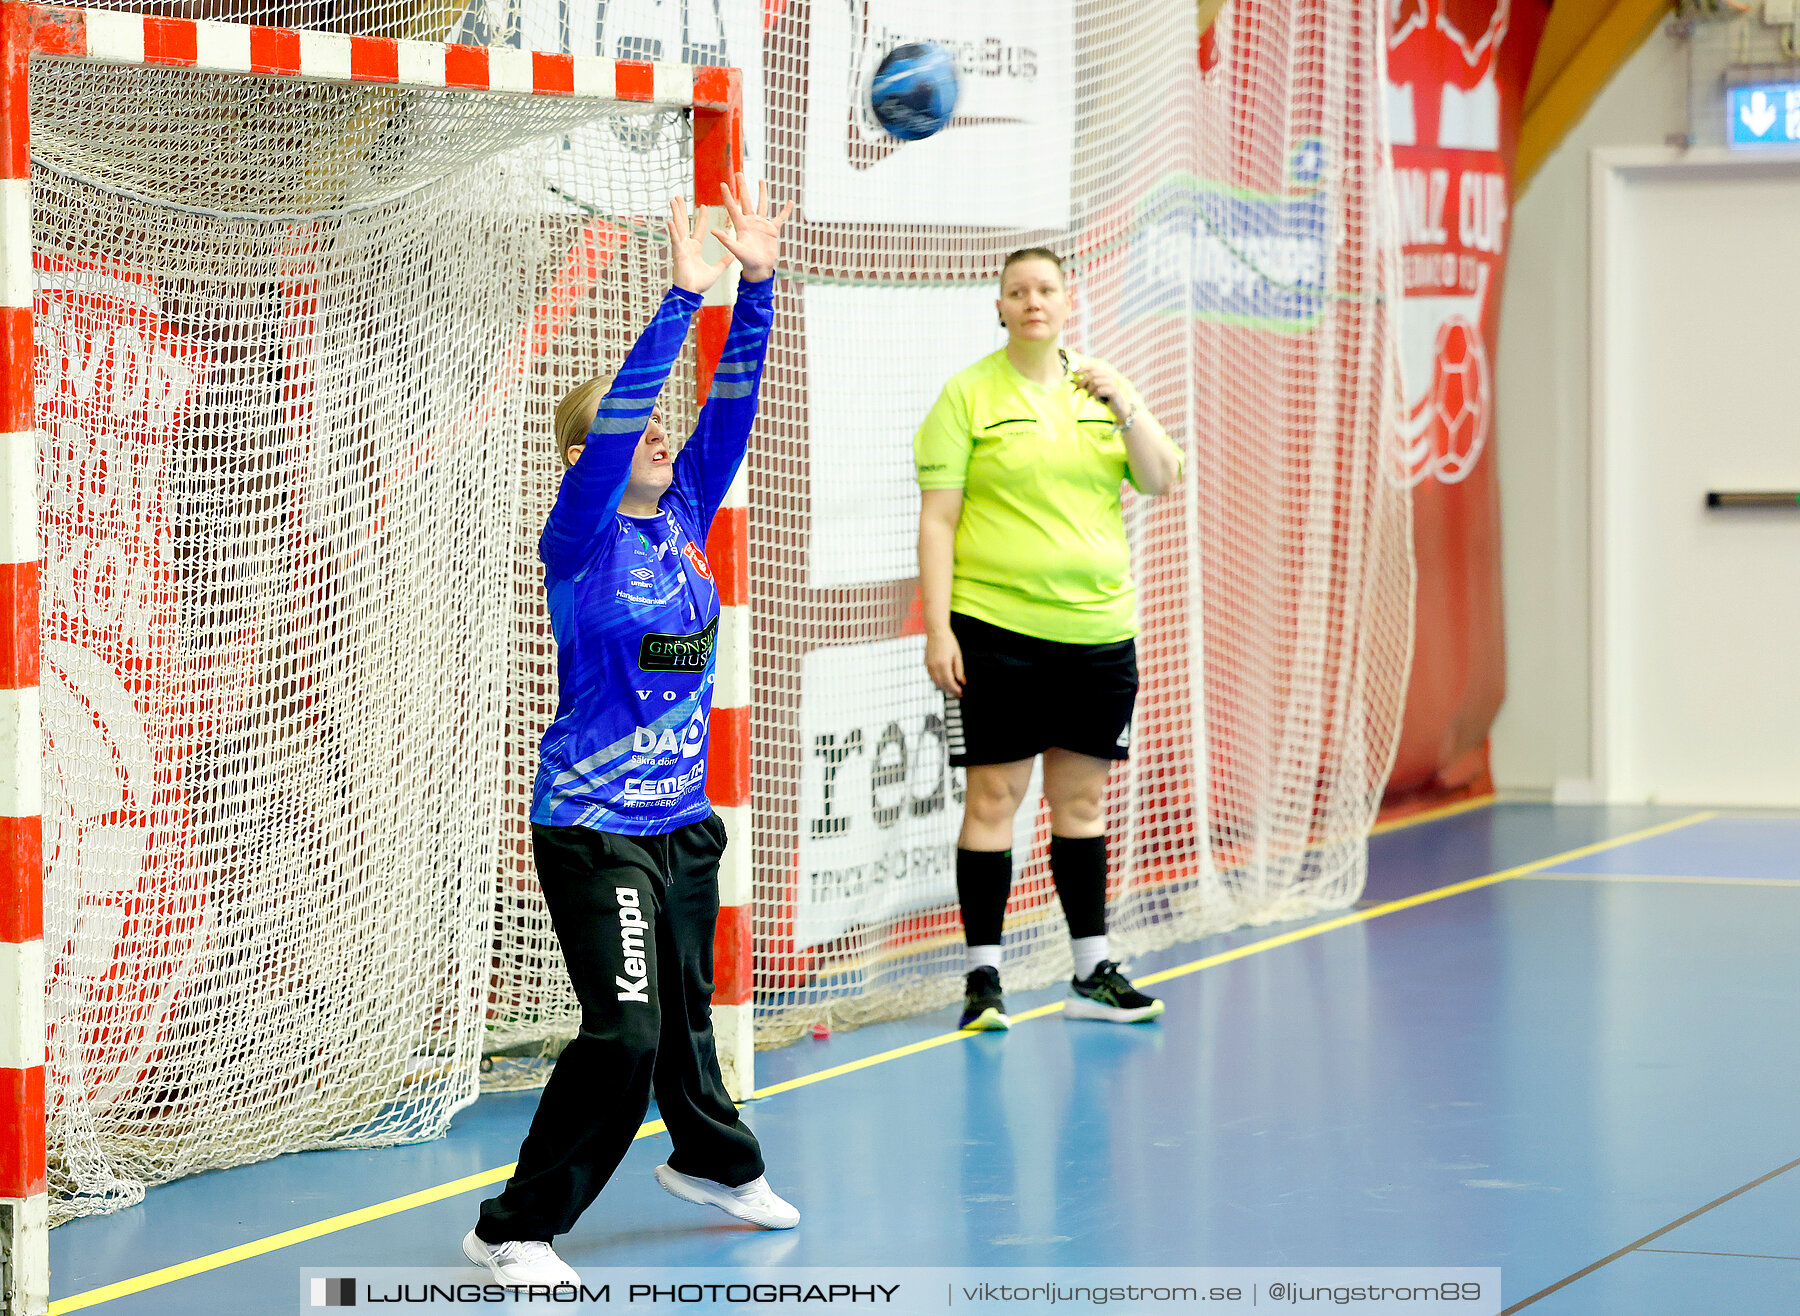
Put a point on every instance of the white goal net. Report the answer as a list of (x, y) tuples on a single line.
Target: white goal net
[(1226, 238), (297, 346)]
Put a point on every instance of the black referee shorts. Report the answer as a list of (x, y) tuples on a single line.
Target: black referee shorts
[(1023, 695)]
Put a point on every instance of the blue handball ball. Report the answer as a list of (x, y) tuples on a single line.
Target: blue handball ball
[(914, 91)]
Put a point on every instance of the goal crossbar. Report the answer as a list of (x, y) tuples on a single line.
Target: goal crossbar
[(106, 36)]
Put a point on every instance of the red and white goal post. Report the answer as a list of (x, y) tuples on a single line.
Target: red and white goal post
[(325, 458)]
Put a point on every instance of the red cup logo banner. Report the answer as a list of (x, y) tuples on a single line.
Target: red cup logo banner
[(121, 700), (1444, 111), (1457, 71)]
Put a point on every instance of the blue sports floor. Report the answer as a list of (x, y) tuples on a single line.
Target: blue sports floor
[(1563, 1042)]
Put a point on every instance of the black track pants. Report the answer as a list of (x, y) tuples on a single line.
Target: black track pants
[(635, 916)]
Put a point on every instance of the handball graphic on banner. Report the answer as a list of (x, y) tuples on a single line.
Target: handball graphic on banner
[(1003, 159), (1457, 73), (880, 806), (1453, 185)]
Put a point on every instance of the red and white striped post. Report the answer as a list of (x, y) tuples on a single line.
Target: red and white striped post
[(718, 154), (24, 1191)]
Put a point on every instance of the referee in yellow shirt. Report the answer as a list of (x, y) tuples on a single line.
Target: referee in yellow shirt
[(1030, 616)]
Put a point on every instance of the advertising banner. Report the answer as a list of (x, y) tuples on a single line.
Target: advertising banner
[(122, 700), (864, 410), (880, 806), (1457, 72), (1009, 145)]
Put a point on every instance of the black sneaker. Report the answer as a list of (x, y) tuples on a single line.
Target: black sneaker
[(983, 1010), (1108, 994)]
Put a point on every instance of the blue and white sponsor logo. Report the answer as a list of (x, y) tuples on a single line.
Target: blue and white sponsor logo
[(663, 744), (662, 790), (1227, 254)]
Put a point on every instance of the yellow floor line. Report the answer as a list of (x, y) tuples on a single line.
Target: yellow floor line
[(319, 1229), (1672, 881), (1037, 914), (305, 1233), (1433, 815), (1423, 898)]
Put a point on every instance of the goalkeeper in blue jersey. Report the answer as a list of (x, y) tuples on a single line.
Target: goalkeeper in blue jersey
[(627, 845)]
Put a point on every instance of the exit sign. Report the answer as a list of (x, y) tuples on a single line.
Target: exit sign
[(1764, 114)]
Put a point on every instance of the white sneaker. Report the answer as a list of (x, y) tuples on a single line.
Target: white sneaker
[(520, 1262), (754, 1201)]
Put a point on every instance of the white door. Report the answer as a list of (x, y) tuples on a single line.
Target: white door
[(1697, 388)]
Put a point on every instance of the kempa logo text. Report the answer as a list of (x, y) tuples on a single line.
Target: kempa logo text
[(631, 943)]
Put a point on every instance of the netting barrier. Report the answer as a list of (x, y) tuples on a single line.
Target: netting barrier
[(297, 346), (291, 338), (1228, 244)]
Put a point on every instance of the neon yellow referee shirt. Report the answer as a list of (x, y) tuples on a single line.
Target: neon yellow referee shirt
[(1041, 545)]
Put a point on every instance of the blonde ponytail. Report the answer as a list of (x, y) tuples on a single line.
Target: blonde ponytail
[(575, 415)]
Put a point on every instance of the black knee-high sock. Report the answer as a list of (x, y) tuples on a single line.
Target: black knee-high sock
[(983, 882), (1078, 867)]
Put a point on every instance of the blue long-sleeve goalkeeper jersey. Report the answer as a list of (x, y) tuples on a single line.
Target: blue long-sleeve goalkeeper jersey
[(632, 601)]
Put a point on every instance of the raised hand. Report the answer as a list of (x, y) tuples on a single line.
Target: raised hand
[(688, 267), (755, 238)]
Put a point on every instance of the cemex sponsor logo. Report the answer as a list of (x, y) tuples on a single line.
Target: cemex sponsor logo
[(334, 1293), (1231, 255), (661, 791), (633, 985), (677, 653)]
